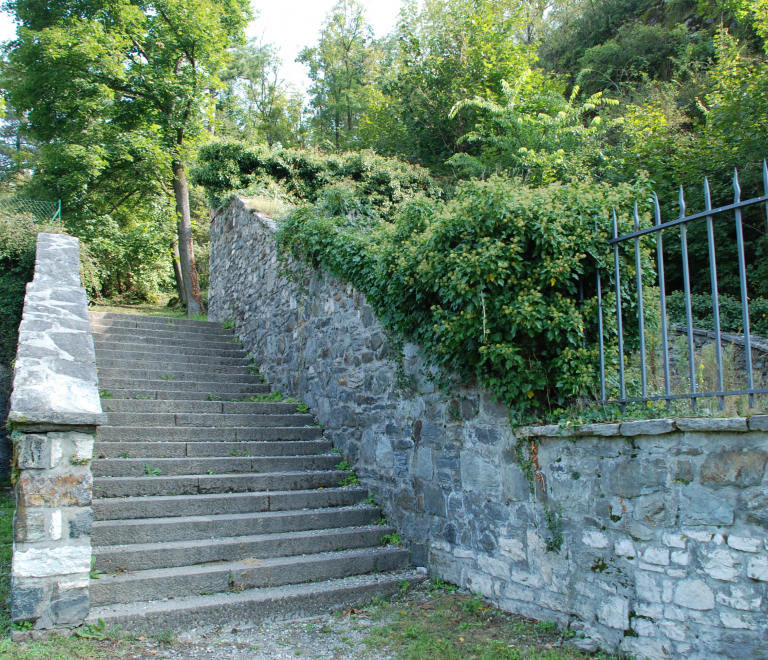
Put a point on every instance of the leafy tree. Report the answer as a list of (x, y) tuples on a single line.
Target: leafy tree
[(339, 68), (130, 64), (257, 105), (440, 54)]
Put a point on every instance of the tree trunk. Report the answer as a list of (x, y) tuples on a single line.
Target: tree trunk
[(177, 272), (186, 252)]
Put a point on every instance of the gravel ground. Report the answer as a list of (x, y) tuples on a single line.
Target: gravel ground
[(331, 637)]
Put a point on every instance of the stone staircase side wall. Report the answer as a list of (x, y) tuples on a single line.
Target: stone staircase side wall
[(647, 536), (54, 413)]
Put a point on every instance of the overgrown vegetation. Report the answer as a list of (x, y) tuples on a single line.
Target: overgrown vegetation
[(435, 621), (487, 284)]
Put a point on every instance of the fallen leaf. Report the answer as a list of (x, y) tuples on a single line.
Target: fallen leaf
[(354, 611), (142, 639), (461, 639), (428, 606)]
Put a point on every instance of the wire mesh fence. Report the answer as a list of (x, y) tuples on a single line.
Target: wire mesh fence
[(36, 211)]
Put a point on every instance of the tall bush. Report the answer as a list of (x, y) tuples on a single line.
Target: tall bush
[(497, 284)]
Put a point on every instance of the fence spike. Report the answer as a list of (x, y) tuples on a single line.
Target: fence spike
[(681, 202), (736, 186)]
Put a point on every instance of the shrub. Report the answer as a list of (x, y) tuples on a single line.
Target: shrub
[(227, 167), (488, 284), (18, 236), (730, 313)]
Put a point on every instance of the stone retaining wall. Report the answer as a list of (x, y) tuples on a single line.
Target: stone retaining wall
[(645, 536), (54, 412)]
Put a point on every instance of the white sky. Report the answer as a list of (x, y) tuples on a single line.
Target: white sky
[(290, 25)]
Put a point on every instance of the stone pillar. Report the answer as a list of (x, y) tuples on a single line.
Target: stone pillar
[(54, 412)]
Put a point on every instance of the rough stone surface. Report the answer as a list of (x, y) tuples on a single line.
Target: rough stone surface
[(646, 538), (55, 399)]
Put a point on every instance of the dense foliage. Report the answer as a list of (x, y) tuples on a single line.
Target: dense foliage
[(488, 284), (731, 319), (18, 236), (302, 176)]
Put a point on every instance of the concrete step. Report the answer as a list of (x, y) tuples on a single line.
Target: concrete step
[(167, 554), (130, 508), (135, 419), (110, 487), (136, 467), (136, 359), (104, 318), (186, 528), (170, 395), (213, 388), (170, 365), (212, 329), (162, 330), (199, 407), (142, 450), (159, 338), (245, 609), (191, 434), (176, 337), (130, 347), (229, 375), (248, 574)]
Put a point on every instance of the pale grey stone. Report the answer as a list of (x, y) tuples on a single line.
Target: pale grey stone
[(702, 507), (758, 423), (648, 427), (755, 502), (634, 477), (694, 595), (704, 424)]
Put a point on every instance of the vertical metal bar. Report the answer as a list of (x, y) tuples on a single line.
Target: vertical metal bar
[(743, 283), (619, 327), (715, 296), (687, 288), (640, 310), (663, 300), (600, 332), (765, 190)]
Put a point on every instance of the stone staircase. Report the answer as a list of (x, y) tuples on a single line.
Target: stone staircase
[(211, 509)]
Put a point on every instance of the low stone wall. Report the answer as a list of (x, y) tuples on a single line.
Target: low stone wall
[(644, 536), (54, 412)]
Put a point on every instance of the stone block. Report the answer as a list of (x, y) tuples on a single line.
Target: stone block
[(513, 549), (694, 595), (635, 477), (657, 556), (51, 562), (647, 587), (757, 569), (425, 467), (733, 467), (674, 540), (741, 598), (385, 456), (755, 502), (613, 612), (515, 484), (32, 449), (81, 525), (758, 423), (744, 544), (625, 548), (29, 526), (648, 427), (479, 475), (715, 425), (595, 539), (70, 607), (27, 601), (720, 563), (701, 507), (434, 500), (41, 490)]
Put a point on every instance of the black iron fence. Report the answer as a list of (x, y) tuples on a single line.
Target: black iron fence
[(710, 215)]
